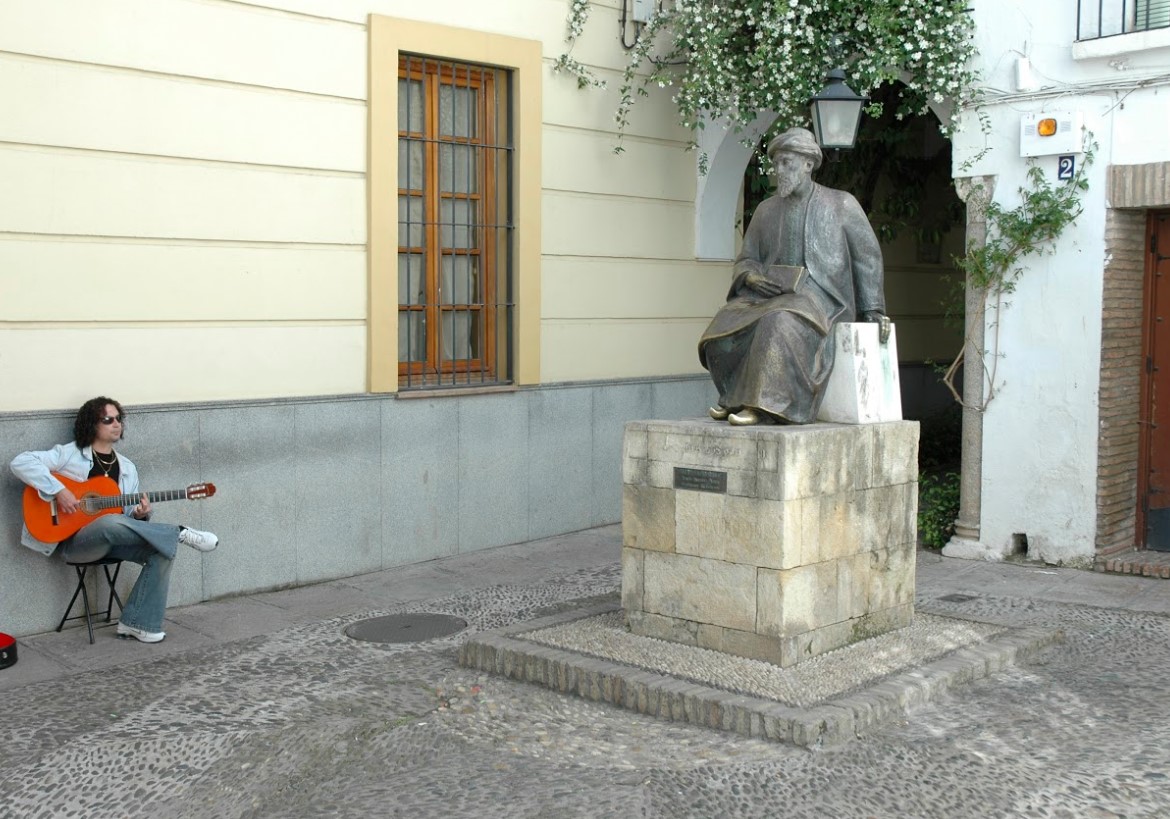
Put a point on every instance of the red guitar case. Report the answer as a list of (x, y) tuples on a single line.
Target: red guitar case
[(7, 650)]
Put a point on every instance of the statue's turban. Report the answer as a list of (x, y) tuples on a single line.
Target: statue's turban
[(797, 141)]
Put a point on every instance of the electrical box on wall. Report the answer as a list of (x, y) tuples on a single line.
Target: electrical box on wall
[(643, 10), (1055, 132)]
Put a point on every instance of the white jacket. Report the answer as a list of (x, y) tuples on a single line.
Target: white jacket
[(75, 463)]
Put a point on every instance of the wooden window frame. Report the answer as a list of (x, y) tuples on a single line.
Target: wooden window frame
[(433, 74), (522, 59)]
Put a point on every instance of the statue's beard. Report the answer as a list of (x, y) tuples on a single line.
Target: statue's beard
[(787, 185)]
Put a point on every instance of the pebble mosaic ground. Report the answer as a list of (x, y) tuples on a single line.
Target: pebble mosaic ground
[(802, 685), (828, 700), (305, 722)]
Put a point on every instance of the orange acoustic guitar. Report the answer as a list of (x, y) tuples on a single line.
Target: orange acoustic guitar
[(98, 496)]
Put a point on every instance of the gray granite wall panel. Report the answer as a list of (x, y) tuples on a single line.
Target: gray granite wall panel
[(165, 446), (493, 465), (613, 406), (560, 476), (249, 456), (682, 398), (419, 480), (338, 466), (33, 589)]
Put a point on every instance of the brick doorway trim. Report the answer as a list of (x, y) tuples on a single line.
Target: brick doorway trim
[(1133, 190)]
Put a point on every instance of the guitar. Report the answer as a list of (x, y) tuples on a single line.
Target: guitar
[(97, 496)]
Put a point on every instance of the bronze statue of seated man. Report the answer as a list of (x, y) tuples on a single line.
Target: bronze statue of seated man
[(810, 259)]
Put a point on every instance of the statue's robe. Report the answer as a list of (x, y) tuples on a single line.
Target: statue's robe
[(774, 354)]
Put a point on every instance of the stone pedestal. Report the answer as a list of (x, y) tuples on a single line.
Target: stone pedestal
[(772, 542), (864, 386)]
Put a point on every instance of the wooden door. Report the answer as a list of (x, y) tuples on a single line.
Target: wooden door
[(1154, 465)]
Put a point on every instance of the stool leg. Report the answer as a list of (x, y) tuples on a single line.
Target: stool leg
[(110, 581), (88, 615), (80, 588)]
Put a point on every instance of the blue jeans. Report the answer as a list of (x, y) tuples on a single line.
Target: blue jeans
[(150, 545)]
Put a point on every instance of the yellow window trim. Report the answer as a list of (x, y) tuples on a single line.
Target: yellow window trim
[(389, 37)]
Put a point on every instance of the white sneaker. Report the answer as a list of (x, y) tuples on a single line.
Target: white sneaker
[(138, 634), (203, 541)]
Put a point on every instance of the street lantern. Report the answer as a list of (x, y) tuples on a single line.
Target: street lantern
[(836, 113)]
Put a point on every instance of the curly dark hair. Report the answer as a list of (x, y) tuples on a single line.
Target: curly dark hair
[(86, 424)]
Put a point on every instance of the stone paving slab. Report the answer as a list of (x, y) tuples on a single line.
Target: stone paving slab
[(513, 652)]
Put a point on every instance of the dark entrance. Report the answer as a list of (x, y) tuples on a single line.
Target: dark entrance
[(1154, 466)]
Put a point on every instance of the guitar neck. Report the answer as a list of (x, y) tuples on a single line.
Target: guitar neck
[(118, 501)]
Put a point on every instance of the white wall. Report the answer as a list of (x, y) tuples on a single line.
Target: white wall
[(1040, 429)]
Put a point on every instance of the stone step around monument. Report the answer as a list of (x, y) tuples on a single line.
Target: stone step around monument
[(832, 722)]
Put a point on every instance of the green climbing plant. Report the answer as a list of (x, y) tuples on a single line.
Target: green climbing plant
[(938, 508)]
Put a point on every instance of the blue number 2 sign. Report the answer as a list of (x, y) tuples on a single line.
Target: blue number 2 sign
[(1065, 166)]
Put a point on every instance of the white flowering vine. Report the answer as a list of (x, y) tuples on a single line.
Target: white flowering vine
[(578, 17), (731, 59)]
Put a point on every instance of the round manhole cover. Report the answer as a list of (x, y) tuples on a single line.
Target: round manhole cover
[(405, 628)]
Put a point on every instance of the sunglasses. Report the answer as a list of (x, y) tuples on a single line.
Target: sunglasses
[(109, 419)]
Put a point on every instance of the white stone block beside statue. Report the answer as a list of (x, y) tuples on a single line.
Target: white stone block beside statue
[(864, 387)]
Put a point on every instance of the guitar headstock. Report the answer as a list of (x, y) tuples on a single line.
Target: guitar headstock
[(198, 491)]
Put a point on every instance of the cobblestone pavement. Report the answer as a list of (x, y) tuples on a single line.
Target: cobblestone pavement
[(301, 721)]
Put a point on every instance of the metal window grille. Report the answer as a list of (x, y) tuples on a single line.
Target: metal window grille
[(455, 224), (1109, 18)]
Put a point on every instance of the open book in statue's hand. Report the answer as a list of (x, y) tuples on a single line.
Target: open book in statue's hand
[(770, 281), (787, 277)]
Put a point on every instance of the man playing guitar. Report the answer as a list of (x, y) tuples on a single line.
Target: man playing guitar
[(99, 424)]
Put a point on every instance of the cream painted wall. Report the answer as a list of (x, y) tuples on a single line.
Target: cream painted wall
[(623, 348), (64, 192), (191, 362), (181, 281), (656, 309), (184, 180), (158, 114)]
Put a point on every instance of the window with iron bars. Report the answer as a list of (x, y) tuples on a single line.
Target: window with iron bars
[(1108, 18), (455, 235)]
